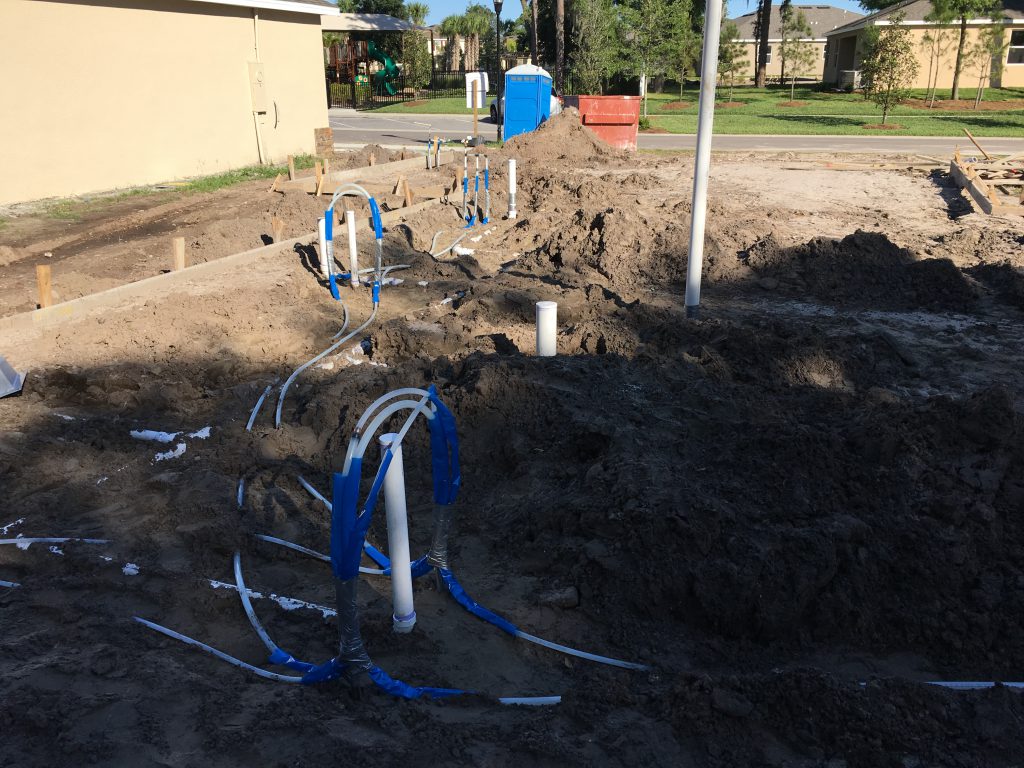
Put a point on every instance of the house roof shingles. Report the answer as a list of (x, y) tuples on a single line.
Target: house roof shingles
[(822, 19), (916, 10)]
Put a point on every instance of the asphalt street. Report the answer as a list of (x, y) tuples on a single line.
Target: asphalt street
[(353, 128)]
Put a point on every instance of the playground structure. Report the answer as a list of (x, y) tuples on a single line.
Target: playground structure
[(362, 66)]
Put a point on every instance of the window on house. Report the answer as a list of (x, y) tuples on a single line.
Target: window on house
[(769, 59), (1016, 53)]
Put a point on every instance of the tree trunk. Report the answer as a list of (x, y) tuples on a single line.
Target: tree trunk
[(764, 14), (959, 58), (792, 89), (533, 34), (560, 46)]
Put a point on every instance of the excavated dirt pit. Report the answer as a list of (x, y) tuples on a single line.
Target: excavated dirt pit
[(796, 509)]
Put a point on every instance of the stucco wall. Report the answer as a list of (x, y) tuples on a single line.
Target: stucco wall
[(1012, 74), (774, 68), (108, 93)]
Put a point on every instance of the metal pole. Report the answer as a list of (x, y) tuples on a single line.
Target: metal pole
[(705, 119), (501, 75)]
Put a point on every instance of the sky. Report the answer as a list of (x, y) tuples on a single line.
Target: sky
[(512, 8)]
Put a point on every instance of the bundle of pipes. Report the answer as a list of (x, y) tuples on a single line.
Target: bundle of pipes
[(470, 215)]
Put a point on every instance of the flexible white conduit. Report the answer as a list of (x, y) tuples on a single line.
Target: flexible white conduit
[(11, 584), (318, 358), (25, 541)]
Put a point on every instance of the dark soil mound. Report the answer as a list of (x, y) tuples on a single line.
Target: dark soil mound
[(864, 269), (561, 137)]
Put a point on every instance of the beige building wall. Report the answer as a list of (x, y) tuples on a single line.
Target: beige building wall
[(841, 46), (110, 94), (774, 68)]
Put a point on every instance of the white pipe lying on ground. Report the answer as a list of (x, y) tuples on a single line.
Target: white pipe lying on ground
[(404, 616), (25, 542), (511, 188), (547, 328), (11, 584), (353, 254)]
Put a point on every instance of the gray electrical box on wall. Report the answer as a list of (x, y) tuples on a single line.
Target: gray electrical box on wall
[(258, 86)]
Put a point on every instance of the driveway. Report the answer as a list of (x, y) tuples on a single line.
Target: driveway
[(353, 128)]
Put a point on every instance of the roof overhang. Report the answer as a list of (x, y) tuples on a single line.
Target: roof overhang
[(292, 6), (366, 22)]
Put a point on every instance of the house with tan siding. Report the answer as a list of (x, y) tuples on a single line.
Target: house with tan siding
[(821, 19), (846, 45), (144, 91)]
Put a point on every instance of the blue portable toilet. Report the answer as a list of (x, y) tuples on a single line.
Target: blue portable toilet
[(527, 99)]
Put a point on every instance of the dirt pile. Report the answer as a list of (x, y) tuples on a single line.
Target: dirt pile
[(863, 269), (561, 137), (361, 158)]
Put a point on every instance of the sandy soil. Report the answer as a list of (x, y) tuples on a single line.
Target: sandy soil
[(796, 509)]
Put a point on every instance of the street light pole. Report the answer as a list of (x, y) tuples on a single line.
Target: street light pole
[(500, 110)]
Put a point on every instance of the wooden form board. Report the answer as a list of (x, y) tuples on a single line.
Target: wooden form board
[(980, 190), (381, 171), (159, 284)]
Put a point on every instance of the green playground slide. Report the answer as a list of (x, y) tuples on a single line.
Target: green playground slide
[(383, 77)]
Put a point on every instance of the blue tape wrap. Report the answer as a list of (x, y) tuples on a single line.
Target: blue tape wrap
[(329, 224), (487, 178), (348, 530), (376, 555), (378, 225), (471, 605), (402, 690), (444, 452), (329, 670), (465, 184), (476, 183), (334, 287), (376, 292), (284, 659)]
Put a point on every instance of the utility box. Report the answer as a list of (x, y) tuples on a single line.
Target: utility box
[(258, 86), (527, 99)]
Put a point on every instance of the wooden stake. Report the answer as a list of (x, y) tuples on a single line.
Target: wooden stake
[(975, 143), (277, 228), (327, 165), (373, 159), (178, 248), (277, 180), (43, 282), (403, 153), (291, 168), (408, 192), (319, 174), (398, 185)]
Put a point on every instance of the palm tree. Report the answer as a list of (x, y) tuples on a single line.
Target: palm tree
[(452, 28), (477, 24), (533, 34), (417, 13), (560, 46)]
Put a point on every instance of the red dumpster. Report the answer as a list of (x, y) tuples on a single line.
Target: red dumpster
[(614, 119)]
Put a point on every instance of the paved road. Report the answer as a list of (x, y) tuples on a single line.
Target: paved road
[(358, 128)]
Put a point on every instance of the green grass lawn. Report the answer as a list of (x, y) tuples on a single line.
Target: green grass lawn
[(824, 113)]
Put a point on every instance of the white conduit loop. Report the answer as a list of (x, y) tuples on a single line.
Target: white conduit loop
[(355, 190), (259, 403), (247, 606), (10, 584), (318, 358), (26, 541)]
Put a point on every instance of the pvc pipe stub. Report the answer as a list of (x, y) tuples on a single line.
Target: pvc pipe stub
[(547, 328), (402, 625)]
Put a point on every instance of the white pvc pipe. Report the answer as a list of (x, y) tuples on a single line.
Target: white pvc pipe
[(353, 255), (321, 228), (547, 328), (511, 188), (705, 120), (404, 617)]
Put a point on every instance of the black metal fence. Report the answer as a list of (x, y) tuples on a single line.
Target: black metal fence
[(377, 90)]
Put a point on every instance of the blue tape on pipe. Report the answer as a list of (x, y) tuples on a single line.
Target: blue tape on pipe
[(471, 605), (376, 555), (348, 530), (378, 225), (329, 224), (465, 184), (334, 287), (284, 659), (487, 178), (402, 690), (376, 292), (329, 670)]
